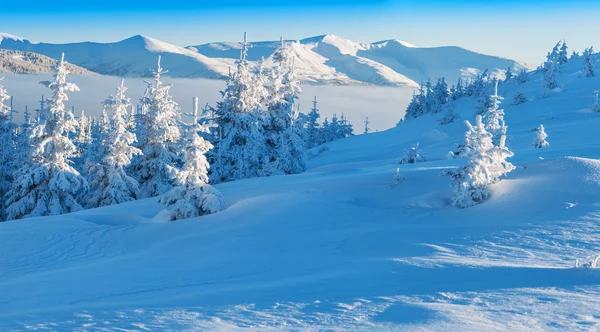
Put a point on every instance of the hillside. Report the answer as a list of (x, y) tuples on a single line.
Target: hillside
[(336, 248), (327, 59), (17, 62)]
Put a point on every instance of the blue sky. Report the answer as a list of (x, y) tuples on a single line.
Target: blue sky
[(523, 30)]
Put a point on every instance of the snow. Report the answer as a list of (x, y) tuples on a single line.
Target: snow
[(327, 59), (335, 248)]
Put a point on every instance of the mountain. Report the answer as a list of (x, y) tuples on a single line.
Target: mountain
[(18, 62), (326, 59), (132, 57)]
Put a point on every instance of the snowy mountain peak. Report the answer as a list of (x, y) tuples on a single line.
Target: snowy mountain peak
[(10, 38), (328, 59)]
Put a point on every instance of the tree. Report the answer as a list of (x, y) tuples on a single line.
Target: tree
[(112, 185), (485, 164), (159, 165), (284, 135), (563, 54), (509, 74), (519, 98), (47, 184), (574, 56), (6, 148), (522, 77), (550, 69), (312, 126), (540, 138), (494, 117), (239, 151), (588, 63), (412, 156), (193, 196), (367, 129), (450, 115)]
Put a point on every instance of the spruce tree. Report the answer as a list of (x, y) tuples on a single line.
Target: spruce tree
[(540, 138), (494, 117), (111, 185), (588, 63), (239, 151), (46, 183), (193, 196), (485, 164), (159, 165), (6, 148), (312, 126)]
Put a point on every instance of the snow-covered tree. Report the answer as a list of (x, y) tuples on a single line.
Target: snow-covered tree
[(574, 56), (550, 70), (412, 155), (450, 115), (519, 98), (509, 74), (540, 138), (159, 165), (239, 151), (522, 77), (284, 138), (6, 148), (367, 129), (313, 127), (485, 164), (494, 117), (563, 54), (193, 196), (588, 63), (46, 183), (111, 185)]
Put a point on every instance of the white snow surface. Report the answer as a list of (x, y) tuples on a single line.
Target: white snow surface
[(335, 248), (326, 59)]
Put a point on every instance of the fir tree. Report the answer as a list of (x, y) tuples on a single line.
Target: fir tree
[(47, 184), (239, 151), (563, 54), (6, 148), (111, 185), (509, 74), (367, 129), (540, 138), (485, 164), (494, 117), (588, 63), (550, 70), (193, 196), (412, 156), (312, 126), (159, 165), (450, 116), (522, 77), (519, 98)]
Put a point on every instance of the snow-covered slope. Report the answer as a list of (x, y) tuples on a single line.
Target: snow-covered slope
[(336, 248), (17, 62), (132, 57), (327, 59)]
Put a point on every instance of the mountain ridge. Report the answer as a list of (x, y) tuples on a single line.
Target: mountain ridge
[(324, 59)]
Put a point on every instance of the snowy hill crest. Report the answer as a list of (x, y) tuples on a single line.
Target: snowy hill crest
[(326, 59)]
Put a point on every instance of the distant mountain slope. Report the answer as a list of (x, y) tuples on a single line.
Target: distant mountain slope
[(18, 62), (326, 59)]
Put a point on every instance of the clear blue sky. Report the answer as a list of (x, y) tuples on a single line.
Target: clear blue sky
[(523, 30)]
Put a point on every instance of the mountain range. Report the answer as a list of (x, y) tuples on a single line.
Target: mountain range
[(326, 59)]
